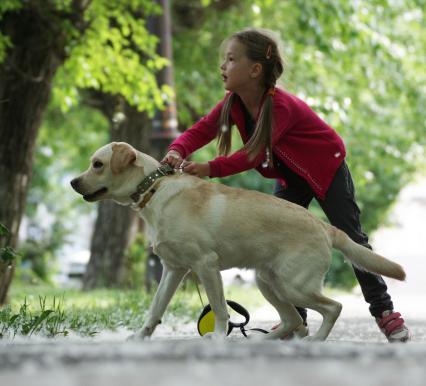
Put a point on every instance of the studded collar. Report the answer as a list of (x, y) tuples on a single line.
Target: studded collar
[(148, 181)]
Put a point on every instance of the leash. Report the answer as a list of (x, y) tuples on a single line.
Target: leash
[(206, 320), (194, 277)]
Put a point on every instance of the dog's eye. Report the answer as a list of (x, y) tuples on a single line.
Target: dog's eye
[(97, 164)]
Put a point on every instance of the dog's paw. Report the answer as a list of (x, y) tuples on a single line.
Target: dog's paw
[(143, 334), (133, 337), (301, 332), (137, 337)]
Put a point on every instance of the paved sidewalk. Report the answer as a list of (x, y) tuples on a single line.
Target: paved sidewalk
[(355, 354)]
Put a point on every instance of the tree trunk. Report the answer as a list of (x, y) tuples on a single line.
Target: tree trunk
[(164, 122), (25, 85), (115, 226), (113, 233), (6, 275)]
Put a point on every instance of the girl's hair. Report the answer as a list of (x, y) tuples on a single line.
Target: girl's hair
[(261, 47)]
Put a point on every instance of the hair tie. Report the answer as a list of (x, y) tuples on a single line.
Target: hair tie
[(268, 162), (271, 91), (269, 52)]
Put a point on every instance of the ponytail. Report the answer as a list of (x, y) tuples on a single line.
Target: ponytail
[(261, 140), (225, 129)]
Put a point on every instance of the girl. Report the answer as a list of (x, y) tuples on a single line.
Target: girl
[(283, 139)]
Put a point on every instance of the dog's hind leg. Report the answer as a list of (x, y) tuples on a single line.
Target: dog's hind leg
[(328, 308), (303, 286), (330, 311), (290, 318)]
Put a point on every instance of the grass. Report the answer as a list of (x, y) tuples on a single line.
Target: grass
[(48, 311)]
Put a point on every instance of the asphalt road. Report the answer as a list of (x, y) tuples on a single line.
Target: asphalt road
[(355, 354)]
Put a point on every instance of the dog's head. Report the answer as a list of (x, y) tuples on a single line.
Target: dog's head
[(115, 171)]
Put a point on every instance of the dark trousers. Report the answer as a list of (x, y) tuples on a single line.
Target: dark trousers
[(342, 211)]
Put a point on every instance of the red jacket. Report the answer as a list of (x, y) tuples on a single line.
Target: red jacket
[(300, 140)]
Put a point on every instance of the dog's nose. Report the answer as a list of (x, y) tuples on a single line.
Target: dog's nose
[(74, 183)]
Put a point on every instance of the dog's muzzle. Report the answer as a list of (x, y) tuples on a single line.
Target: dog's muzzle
[(76, 185)]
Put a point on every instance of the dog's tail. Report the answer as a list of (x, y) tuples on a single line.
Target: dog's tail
[(363, 257)]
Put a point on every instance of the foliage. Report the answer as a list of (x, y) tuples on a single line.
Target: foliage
[(341, 274), (9, 5), (7, 254), (136, 260), (107, 47), (116, 54), (65, 143), (3, 230)]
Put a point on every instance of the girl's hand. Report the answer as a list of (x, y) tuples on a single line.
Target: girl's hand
[(196, 168), (173, 158)]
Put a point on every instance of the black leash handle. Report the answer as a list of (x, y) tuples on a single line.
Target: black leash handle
[(231, 325)]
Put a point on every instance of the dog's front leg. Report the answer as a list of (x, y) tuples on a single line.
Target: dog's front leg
[(169, 282), (212, 282)]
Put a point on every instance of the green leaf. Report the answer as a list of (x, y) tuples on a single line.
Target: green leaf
[(13, 319), (3, 230), (8, 255), (9, 5), (39, 320)]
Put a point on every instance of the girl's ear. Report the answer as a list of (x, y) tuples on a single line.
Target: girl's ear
[(256, 70)]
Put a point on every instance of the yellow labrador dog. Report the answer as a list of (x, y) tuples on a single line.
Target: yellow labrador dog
[(195, 225)]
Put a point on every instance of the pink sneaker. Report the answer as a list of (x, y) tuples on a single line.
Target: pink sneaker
[(392, 325)]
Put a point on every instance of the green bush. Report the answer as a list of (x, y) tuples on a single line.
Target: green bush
[(136, 263)]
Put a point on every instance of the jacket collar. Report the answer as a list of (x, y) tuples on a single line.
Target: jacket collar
[(237, 115)]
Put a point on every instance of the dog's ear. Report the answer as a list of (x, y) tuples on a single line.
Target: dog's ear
[(123, 155), (140, 161)]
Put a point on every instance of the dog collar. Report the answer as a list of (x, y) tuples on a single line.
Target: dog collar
[(148, 181)]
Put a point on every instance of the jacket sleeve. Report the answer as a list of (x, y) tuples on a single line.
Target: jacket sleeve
[(235, 163), (200, 134)]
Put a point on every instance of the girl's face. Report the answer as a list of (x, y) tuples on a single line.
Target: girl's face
[(238, 71)]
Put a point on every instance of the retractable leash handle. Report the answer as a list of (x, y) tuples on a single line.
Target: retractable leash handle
[(206, 321)]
